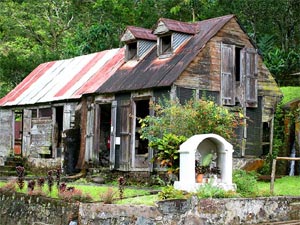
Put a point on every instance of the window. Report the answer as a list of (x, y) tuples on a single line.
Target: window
[(45, 113), (238, 65), (34, 113), (165, 46), (131, 52), (41, 113)]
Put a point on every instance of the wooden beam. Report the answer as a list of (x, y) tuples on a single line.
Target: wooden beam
[(288, 158)]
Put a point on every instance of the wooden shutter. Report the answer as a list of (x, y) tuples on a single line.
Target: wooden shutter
[(125, 133), (227, 74), (112, 156), (26, 132), (89, 150), (249, 71)]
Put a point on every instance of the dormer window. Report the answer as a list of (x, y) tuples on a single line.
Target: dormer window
[(172, 34), (131, 51), (165, 45), (138, 42)]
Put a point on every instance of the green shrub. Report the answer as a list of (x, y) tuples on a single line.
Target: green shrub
[(173, 123), (246, 183), (167, 151), (210, 191), (169, 192)]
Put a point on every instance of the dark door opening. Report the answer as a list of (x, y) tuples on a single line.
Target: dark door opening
[(142, 110), (104, 134), (58, 144)]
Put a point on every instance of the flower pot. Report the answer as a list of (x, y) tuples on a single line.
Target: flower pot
[(199, 178)]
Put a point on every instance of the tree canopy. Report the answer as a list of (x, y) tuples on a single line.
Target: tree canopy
[(36, 31)]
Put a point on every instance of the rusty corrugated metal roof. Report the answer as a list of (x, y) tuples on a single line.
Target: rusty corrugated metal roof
[(142, 33), (106, 72), (153, 72), (183, 27), (65, 79)]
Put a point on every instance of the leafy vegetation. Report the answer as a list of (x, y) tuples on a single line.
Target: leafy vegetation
[(290, 93), (246, 183), (173, 123), (210, 191), (169, 192), (33, 32)]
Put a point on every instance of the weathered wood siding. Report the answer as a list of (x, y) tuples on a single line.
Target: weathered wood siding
[(205, 70), (41, 137), (204, 74), (6, 133)]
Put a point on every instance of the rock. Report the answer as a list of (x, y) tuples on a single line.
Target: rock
[(98, 180), (254, 165)]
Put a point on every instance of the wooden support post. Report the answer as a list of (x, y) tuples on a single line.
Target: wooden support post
[(273, 176), (274, 170)]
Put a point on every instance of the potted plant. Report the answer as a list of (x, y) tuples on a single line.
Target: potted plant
[(203, 167), (200, 171)]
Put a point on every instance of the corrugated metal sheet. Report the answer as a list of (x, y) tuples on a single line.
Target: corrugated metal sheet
[(153, 72), (142, 33), (144, 46), (183, 27), (179, 38), (65, 79)]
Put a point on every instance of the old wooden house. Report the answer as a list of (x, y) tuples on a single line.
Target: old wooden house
[(35, 115), (175, 59)]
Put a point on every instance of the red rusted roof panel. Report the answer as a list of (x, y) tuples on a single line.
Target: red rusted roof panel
[(65, 79), (183, 27), (142, 33)]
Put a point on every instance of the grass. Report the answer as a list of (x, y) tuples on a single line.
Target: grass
[(95, 191), (285, 186), (290, 93)]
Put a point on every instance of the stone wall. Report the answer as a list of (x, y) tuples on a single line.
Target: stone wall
[(195, 212), (18, 209)]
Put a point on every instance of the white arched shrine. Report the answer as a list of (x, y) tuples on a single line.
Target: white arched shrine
[(203, 144)]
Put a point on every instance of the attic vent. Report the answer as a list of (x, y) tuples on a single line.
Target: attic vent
[(179, 38), (164, 44), (131, 51)]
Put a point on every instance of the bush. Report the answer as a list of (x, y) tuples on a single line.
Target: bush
[(246, 183), (174, 123), (169, 192), (210, 191)]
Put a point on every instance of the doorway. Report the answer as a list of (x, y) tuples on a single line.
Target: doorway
[(141, 151), (58, 129), (18, 132), (103, 142)]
